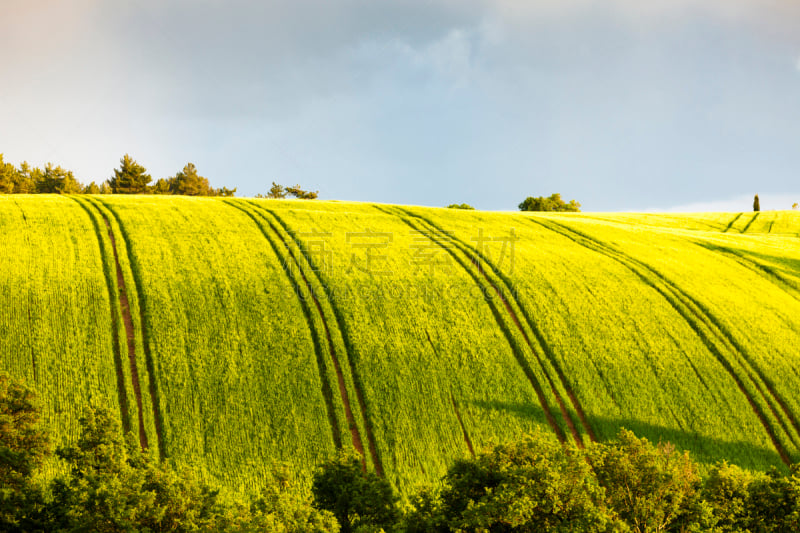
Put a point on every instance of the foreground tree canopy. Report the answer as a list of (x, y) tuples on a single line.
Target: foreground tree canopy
[(537, 484), (110, 485)]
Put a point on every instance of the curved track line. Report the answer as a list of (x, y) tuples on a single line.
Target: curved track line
[(376, 461), (461, 423), (765, 271), (518, 353), (327, 392), (351, 421), (537, 333), (761, 382), (124, 308), (28, 298), (152, 385), (771, 275), (704, 324), (467, 440)]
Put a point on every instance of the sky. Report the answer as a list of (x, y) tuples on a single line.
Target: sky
[(622, 105)]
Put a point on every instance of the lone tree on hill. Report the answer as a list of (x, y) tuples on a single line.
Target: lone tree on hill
[(756, 204), (551, 203), (130, 178)]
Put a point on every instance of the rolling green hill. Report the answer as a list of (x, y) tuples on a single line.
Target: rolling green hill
[(231, 333)]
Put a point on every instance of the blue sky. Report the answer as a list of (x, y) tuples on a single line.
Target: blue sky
[(622, 104)]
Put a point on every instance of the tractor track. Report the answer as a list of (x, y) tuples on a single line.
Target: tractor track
[(732, 222), (544, 348), (327, 391), (715, 337), (124, 309), (457, 412), (747, 227), (30, 293), (516, 349), (759, 268), (152, 386), (292, 260), (362, 404)]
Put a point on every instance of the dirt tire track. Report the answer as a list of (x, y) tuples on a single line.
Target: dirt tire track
[(350, 417), (152, 387), (362, 404), (540, 341), (463, 428), (518, 353), (124, 309), (775, 278), (327, 391), (467, 440), (762, 384), (699, 319)]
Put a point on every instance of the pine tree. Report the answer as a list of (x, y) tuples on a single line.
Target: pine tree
[(92, 188), (8, 175), (276, 191), (756, 204), (190, 183), (24, 447), (56, 180), (301, 194), (161, 187), (130, 178)]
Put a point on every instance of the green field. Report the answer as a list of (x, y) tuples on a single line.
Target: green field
[(234, 333)]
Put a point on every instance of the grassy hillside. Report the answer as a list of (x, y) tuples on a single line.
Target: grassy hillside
[(232, 333)]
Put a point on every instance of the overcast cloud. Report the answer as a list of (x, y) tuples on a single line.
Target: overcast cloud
[(622, 105)]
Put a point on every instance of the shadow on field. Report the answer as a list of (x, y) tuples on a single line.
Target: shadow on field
[(703, 449)]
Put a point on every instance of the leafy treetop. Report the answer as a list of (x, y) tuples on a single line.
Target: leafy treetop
[(551, 203)]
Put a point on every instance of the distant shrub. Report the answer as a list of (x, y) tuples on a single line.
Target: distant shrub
[(551, 203), (460, 206)]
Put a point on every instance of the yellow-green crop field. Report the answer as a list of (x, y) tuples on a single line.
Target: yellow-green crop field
[(233, 334)]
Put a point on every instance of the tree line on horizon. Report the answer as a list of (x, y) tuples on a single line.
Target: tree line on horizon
[(107, 483), (130, 178)]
